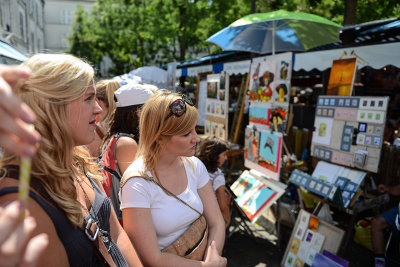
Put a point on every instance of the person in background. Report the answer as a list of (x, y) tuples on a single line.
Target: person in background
[(18, 246), (212, 152), (105, 98), (382, 222), (166, 188), (121, 141), (66, 196)]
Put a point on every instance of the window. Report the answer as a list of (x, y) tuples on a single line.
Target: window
[(64, 40), (22, 25), (66, 16)]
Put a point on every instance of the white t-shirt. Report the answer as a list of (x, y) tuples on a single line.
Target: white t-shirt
[(171, 218), (217, 179)]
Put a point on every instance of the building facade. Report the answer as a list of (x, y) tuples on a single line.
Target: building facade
[(22, 24), (59, 18)]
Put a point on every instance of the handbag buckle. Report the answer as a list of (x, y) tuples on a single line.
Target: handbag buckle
[(87, 230)]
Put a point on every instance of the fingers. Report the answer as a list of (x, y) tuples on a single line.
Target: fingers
[(11, 251), (15, 134), (34, 250), (10, 218), (12, 74)]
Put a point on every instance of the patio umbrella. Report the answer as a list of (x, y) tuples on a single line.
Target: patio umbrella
[(278, 31), (151, 74)]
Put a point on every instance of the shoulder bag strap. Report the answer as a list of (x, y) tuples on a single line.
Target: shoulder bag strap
[(135, 174)]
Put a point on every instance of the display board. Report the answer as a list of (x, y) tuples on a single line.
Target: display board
[(217, 104), (310, 236), (269, 88), (349, 130), (255, 193), (330, 181)]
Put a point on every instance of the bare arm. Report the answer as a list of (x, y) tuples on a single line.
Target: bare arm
[(122, 240), (125, 153), (213, 216), (223, 204)]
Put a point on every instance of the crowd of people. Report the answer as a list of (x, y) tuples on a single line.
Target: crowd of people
[(168, 211)]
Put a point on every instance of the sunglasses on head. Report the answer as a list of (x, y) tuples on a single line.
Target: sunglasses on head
[(178, 107)]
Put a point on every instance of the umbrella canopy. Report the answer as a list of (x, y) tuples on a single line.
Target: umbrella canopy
[(278, 31), (151, 74)]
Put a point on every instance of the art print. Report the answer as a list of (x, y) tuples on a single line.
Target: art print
[(252, 140), (323, 132), (284, 70), (281, 91), (259, 114), (270, 151), (212, 90), (261, 87)]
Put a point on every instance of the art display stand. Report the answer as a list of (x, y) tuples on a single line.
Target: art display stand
[(347, 139), (314, 242)]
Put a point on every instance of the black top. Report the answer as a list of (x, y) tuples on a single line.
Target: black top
[(79, 248)]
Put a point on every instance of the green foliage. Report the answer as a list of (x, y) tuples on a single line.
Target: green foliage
[(161, 31)]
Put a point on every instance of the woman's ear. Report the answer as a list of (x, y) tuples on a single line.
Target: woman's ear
[(160, 139)]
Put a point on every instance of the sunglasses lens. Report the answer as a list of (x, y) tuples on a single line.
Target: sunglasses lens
[(178, 107)]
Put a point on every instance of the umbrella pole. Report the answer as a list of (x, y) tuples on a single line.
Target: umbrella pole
[(273, 37)]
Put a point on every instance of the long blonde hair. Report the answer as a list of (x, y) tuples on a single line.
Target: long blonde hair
[(153, 123), (56, 80), (105, 92)]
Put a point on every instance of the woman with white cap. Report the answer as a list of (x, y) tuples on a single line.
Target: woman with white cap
[(121, 141)]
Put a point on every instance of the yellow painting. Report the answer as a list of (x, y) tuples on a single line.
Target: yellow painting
[(341, 79)]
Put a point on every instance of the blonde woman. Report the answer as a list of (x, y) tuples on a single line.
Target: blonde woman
[(105, 98), (66, 196), (166, 189)]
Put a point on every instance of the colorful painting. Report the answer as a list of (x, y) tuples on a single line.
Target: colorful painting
[(243, 184), (341, 78), (281, 93), (252, 141), (262, 81), (212, 90), (270, 151), (284, 70), (259, 114)]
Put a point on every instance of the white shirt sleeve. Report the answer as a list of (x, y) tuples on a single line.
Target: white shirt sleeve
[(202, 176), (219, 180), (135, 194)]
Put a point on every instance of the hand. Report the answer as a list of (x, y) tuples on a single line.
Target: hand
[(382, 189), (15, 134), (213, 258), (17, 247)]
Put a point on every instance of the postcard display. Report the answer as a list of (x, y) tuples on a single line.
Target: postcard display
[(255, 193), (217, 101), (268, 111), (349, 132), (313, 242)]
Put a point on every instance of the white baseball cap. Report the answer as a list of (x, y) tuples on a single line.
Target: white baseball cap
[(132, 94)]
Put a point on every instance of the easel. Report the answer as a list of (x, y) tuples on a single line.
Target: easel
[(242, 225), (236, 124)]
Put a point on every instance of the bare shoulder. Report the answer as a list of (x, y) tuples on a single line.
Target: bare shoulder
[(55, 254), (126, 141)]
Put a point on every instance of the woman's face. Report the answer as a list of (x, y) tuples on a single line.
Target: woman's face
[(103, 107), (222, 157), (81, 117), (183, 145)]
